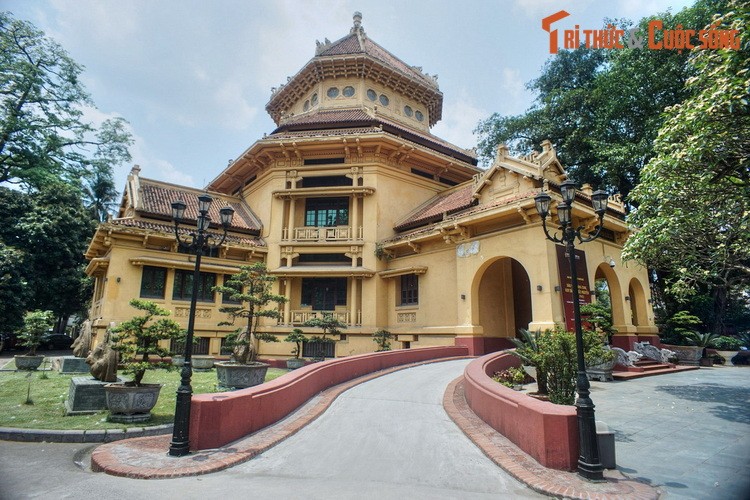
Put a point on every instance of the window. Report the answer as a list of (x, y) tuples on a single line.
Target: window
[(323, 294), (326, 180), (210, 252), (384, 100), (153, 281), (183, 286), (419, 116), (348, 91), (326, 212), (333, 92), (200, 346), (225, 297), (409, 290), (371, 95), (324, 258), (408, 111)]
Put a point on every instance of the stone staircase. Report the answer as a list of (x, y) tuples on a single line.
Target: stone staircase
[(647, 368)]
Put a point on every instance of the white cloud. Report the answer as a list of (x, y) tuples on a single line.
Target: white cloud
[(234, 111), (460, 118)]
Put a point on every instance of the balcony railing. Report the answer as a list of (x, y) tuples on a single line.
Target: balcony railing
[(299, 317), (322, 233)]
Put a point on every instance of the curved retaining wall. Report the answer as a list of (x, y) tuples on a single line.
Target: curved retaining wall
[(219, 418), (546, 431)]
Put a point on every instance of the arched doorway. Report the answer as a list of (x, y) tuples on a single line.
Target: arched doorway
[(637, 303), (504, 300), (605, 273)]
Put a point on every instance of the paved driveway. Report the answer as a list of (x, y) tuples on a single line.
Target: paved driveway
[(687, 432)]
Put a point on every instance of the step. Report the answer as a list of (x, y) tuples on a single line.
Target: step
[(670, 369)]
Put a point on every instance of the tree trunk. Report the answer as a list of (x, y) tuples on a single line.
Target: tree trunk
[(720, 310)]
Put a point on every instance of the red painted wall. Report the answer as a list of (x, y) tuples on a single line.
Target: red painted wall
[(546, 431), (219, 418)]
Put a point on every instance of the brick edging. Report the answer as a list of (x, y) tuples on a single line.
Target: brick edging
[(524, 468), (146, 457)]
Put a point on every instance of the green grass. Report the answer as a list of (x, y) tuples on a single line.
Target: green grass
[(48, 390)]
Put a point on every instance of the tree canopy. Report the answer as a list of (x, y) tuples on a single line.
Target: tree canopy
[(43, 135)]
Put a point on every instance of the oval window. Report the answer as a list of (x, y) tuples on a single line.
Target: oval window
[(333, 92), (348, 91), (371, 95), (384, 100), (306, 106), (419, 115), (315, 100), (408, 111)]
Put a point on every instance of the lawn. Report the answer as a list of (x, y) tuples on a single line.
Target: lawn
[(35, 400)]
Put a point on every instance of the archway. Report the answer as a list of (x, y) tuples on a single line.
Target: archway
[(606, 273), (504, 302), (637, 303)]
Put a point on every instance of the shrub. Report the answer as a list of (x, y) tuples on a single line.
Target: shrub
[(298, 338), (35, 324), (726, 343), (558, 348), (383, 339), (511, 377)]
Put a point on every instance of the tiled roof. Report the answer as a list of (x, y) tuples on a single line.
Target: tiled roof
[(447, 202), (169, 229), (356, 44), (357, 117), (156, 198)]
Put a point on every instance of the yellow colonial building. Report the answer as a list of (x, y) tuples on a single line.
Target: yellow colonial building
[(361, 212)]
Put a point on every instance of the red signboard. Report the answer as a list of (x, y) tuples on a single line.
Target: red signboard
[(566, 284)]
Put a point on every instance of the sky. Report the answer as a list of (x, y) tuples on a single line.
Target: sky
[(193, 77)]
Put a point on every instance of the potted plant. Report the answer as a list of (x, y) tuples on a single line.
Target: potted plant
[(137, 341), (383, 339), (298, 338), (680, 327), (727, 347), (599, 357), (251, 289), (330, 326), (704, 341), (35, 325)]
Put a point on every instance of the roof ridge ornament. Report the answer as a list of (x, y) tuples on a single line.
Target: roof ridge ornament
[(357, 28)]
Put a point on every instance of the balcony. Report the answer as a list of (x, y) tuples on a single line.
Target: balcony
[(298, 317), (323, 234)]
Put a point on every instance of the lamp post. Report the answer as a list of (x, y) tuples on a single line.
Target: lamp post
[(198, 242), (589, 462)]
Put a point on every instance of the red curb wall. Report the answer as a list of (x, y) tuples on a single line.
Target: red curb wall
[(220, 418), (546, 431)]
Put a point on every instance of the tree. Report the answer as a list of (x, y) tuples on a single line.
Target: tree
[(330, 325), (601, 108), (693, 217), (251, 288), (43, 137), (100, 194), (14, 290), (35, 324), (138, 339)]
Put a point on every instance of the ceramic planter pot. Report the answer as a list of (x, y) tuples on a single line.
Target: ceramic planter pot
[(294, 363), (202, 363), (727, 355), (687, 354), (28, 362), (233, 375), (129, 403)]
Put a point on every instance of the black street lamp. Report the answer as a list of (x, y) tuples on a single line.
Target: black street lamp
[(589, 462), (198, 242)]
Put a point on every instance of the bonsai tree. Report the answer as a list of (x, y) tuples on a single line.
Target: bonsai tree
[(137, 339), (251, 289), (35, 325), (383, 339), (298, 338), (599, 317), (330, 326), (680, 327)]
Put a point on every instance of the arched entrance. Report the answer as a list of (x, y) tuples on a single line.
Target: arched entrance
[(504, 302), (637, 303), (605, 273)]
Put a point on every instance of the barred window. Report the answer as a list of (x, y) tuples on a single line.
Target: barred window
[(409, 289), (153, 282)]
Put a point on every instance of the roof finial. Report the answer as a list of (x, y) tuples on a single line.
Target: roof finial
[(357, 22)]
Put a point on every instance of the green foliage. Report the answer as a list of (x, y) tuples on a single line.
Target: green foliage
[(14, 290), (43, 135), (298, 338), (511, 377), (252, 288), (138, 339), (559, 350), (599, 316), (35, 324), (726, 343), (328, 323), (383, 339), (681, 325), (694, 198), (528, 349), (701, 339)]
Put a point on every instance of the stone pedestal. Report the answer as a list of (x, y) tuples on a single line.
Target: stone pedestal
[(70, 364), (85, 395)]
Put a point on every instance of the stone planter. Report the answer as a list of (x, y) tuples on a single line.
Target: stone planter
[(687, 354), (178, 360), (602, 371), (294, 363), (233, 375), (129, 403), (202, 363), (24, 362), (727, 355)]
